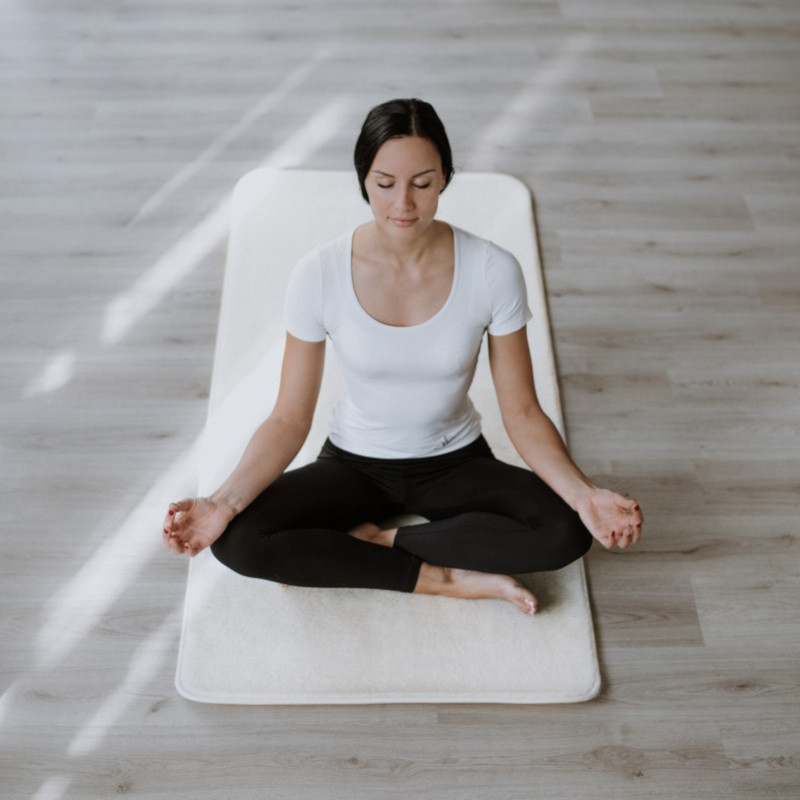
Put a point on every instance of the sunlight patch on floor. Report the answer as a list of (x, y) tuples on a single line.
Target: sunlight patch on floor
[(291, 83), (57, 372), (78, 605), (54, 788), (146, 664), (127, 308), (528, 105), (5, 703)]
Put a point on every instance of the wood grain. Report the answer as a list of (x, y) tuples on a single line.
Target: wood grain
[(662, 145)]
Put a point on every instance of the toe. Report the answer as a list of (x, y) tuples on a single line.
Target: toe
[(526, 601)]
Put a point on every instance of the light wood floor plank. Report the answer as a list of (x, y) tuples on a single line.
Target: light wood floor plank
[(662, 144)]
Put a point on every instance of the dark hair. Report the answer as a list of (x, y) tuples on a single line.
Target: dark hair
[(394, 119)]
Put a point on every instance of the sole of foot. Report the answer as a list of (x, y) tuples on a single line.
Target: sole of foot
[(473, 585)]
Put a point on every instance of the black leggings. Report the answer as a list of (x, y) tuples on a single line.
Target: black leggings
[(485, 515)]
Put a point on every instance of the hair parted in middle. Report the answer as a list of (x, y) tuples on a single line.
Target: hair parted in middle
[(396, 118)]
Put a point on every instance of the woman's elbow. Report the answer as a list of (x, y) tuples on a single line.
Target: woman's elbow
[(522, 418)]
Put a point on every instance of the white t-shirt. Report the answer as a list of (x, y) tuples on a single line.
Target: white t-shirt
[(405, 388)]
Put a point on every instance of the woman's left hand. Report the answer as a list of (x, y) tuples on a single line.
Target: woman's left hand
[(610, 517)]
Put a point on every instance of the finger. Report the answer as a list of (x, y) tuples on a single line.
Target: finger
[(622, 501), (629, 505), (173, 509), (635, 530), (168, 520), (169, 529), (175, 545), (630, 535), (607, 540), (192, 549), (175, 539), (174, 514)]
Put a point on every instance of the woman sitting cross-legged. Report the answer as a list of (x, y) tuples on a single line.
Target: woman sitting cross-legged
[(406, 301)]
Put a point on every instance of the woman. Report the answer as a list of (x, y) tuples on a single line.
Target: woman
[(406, 300)]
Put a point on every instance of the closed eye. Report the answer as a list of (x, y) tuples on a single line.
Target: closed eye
[(415, 185)]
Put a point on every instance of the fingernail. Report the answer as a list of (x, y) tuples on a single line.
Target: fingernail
[(636, 508), (165, 530), (171, 512)]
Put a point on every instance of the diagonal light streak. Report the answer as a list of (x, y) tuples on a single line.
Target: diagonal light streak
[(77, 606), (54, 788), (57, 372), (248, 119), (145, 665), (529, 103), (127, 308)]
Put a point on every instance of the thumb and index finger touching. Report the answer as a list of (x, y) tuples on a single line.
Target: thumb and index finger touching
[(169, 520), (182, 505)]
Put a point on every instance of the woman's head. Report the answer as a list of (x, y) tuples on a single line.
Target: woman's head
[(395, 119)]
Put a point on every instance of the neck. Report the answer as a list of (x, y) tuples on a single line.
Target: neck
[(404, 252)]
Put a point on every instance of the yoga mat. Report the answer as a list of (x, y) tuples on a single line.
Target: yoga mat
[(249, 641)]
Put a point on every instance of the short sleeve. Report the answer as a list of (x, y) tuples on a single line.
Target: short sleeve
[(507, 292), (302, 307)]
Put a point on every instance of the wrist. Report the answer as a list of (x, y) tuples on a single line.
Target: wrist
[(580, 493), (225, 505)]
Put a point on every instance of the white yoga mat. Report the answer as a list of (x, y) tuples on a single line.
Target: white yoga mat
[(249, 641)]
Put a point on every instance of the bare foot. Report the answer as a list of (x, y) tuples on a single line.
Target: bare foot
[(369, 532), (472, 585)]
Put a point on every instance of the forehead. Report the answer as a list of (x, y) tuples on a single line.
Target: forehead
[(406, 153)]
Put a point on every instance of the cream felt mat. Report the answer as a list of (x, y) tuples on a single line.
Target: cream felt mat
[(249, 641)]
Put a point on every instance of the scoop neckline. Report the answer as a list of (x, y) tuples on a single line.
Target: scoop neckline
[(442, 309)]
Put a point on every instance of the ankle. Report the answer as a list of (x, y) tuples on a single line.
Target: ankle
[(387, 536), (433, 579), (447, 576)]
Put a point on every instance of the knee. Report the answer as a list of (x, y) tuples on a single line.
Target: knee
[(238, 549), (569, 536), (234, 557)]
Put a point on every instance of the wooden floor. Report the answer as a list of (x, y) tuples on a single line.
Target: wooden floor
[(662, 143)]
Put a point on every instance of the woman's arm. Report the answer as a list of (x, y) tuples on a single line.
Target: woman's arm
[(610, 517), (279, 438), (195, 523)]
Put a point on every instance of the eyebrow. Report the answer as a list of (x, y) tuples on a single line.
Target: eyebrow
[(389, 175)]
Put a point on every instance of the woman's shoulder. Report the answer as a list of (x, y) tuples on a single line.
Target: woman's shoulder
[(488, 252), (499, 275)]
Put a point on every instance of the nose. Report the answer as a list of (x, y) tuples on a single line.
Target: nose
[(405, 198)]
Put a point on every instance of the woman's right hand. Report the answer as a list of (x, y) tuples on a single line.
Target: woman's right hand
[(193, 524)]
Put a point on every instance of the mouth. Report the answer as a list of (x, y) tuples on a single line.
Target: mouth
[(402, 222)]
